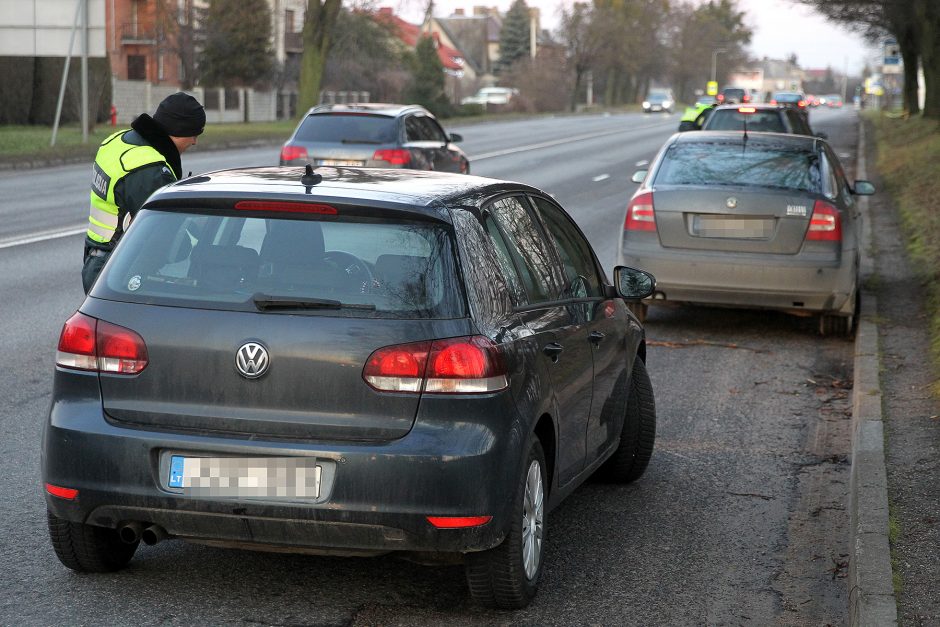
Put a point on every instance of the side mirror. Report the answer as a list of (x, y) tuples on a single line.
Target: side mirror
[(863, 188), (455, 137), (642, 163), (639, 176), (633, 284)]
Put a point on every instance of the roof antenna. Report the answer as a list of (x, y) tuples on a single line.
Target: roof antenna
[(310, 177)]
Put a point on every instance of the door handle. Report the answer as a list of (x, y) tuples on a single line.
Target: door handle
[(596, 337), (553, 350)]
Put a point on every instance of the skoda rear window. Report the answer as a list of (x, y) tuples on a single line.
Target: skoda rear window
[(348, 267), (740, 163), (348, 128)]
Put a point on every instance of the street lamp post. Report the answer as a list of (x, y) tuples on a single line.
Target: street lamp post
[(715, 53)]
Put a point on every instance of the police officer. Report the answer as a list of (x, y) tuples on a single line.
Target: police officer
[(130, 166)]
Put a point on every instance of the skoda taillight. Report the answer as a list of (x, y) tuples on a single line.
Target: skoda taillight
[(640, 215), (462, 365), (825, 224), (90, 344)]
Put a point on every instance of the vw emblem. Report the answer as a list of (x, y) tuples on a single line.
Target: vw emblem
[(732, 202), (251, 360)]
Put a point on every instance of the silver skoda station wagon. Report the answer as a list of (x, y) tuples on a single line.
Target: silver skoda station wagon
[(349, 361)]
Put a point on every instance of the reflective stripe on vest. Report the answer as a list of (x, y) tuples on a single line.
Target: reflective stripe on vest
[(115, 160)]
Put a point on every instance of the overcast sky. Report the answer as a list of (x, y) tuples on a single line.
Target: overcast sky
[(780, 27)]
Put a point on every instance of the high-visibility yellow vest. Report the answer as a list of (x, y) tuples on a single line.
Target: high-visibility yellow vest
[(115, 160)]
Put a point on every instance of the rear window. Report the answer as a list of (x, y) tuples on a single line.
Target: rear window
[(348, 128), (787, 97), (743, 164), (733, 120), (375, 269)]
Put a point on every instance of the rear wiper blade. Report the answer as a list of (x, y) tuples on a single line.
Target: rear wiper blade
[(359, 141), (266, 302)]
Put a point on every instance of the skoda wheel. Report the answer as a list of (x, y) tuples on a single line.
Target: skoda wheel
[(507, 576), (88, 549), (629, 461)]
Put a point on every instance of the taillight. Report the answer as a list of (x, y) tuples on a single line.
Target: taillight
[(77, 343), (461, 365), (747, 98), (293, 153), (394, 156), (773, 101), (747, 110), (285, 207), (801, 103), (640, 216), (720, 98), (397, 368), (90, 344), (825, 224)]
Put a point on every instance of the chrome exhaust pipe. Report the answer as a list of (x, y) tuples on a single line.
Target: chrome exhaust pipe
[(153, 534), (130, 532)]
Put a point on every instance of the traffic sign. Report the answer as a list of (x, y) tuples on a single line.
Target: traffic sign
[(712, 88)]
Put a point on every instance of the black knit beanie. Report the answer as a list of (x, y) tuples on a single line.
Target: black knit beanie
[(181, 115)]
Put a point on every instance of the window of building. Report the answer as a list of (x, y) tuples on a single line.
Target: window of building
[(136, 67)]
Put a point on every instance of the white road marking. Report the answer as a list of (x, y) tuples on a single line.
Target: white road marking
[(42, 237), (600, 177), (549, 144)]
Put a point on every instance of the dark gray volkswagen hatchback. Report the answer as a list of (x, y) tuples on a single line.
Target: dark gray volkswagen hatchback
[(354, 361)]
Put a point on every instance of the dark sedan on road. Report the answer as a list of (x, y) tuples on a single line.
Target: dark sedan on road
[(374, 135), (763, 220), (763, 118), (348, 361)]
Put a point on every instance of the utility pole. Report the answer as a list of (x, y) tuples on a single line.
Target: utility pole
[(715, 53)]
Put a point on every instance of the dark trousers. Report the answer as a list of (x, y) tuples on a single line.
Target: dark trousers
[(95, 259)]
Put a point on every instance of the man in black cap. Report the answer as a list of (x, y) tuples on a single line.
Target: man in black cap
[(130, 166)]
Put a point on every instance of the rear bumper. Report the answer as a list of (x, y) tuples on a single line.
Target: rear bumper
[(794, 284), (377, 500)]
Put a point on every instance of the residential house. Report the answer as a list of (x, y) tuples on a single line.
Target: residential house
[(146, 59), (458, 71)]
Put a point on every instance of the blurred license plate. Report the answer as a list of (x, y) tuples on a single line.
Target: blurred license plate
[(258, 477), (740, 228), (339, 162)]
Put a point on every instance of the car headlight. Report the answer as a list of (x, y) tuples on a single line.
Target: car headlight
[(646, 104), (667, 104)]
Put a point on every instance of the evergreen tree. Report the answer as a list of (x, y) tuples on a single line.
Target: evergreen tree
[(514, 37), (237, 50), (427, 80)]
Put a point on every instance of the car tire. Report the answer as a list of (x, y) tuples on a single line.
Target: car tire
[(507, 576), (88, 549), (638, 436), (639, 310), (839, 326)]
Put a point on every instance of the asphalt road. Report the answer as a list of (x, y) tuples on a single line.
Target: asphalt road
[(740, 518)]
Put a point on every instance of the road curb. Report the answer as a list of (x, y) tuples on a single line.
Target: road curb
[(871, 589)]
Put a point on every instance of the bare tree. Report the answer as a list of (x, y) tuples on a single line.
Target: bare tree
[(319, 23)]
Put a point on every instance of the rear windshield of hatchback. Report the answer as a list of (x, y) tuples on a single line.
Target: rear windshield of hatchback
[(361, 268), (786, 97), (733, 120), (740, 164), (348, 128)]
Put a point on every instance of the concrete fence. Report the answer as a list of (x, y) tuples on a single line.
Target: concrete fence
[(131, 98)]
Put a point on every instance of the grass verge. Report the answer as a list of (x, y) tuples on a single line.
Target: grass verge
[(909, 165), (28, 144)]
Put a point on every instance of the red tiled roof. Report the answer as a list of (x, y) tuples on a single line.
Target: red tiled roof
[(408, 33)]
